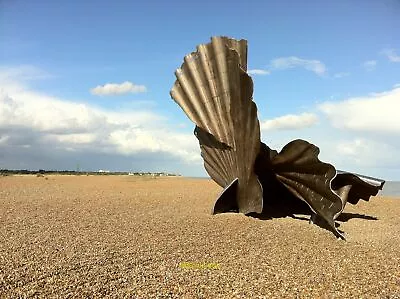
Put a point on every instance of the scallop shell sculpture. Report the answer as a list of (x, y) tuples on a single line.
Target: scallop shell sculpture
[(215, 91)]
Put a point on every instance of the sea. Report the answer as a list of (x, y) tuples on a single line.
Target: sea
[(391, 188)]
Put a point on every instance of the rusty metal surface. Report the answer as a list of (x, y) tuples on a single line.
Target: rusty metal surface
[(214, 90)]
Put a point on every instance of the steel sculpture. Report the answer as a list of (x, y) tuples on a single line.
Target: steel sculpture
[(215, 91)]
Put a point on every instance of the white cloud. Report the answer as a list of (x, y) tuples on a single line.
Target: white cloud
[(118, 89), (370, 65), (364, 137), (184, 146), (74, 138), (353, 148), (4, 138), (341, 75), (258, 72), (290, 62), (391, 55), (367, 152), (73, 125), (290, 122), (36, 120), (356, 134), (22, 73), (378, 113)]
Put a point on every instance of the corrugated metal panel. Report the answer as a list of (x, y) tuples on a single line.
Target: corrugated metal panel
[(324, 189), (379, 183), (353, 187), (214, 90), (205, 86), (297, 166)]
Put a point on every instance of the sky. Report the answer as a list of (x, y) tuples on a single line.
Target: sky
[(86, 83)]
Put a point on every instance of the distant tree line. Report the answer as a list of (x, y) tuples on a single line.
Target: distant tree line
[(5, 172)]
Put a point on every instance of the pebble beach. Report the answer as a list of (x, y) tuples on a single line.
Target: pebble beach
[(155, 237)]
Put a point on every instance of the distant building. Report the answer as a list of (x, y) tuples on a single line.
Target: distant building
[(103, 171)]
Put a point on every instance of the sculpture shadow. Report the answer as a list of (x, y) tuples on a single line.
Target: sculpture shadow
[(283, 207), (344, 217), (279, 202)]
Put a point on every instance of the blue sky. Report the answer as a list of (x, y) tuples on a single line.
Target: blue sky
[(307, 59)]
